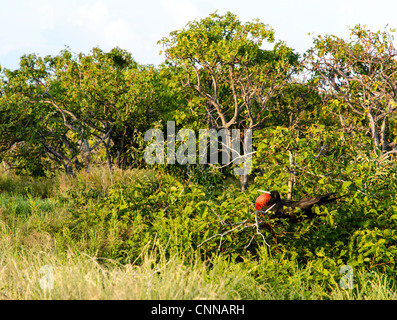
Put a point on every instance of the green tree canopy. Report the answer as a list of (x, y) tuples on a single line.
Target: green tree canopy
[(360, 75)]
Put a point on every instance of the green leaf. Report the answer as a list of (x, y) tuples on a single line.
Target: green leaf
[(346, 185)]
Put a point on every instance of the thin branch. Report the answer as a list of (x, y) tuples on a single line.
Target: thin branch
[(389, 153), (240, 226), (235, 158)]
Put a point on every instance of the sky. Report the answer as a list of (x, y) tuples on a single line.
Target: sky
[(46, 27)]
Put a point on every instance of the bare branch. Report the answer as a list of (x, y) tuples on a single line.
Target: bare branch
[(240, 226)]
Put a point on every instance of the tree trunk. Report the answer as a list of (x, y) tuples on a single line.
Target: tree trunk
[(77, 164), (374, 132), (244, 182), (86, 154), (383, 134), (6, 167), (109, 160), (247, 150), (68, 168), (55, 155), (291, 177), (120, 151), (383, 130)]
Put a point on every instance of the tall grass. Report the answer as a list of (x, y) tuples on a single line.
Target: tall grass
[(84, 277), (32, 215), (38, 187)]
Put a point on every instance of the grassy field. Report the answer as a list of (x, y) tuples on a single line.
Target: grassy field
[(56, 242)]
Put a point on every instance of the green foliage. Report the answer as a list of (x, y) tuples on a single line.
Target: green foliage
[(358, 230), (129, 215), (121, 215), (334, 133), (25, 185), (360, 73), (72, 105), (221, 60)]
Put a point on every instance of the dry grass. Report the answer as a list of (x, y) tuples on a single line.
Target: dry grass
[(101, 179), (82, 277), (85, 277)]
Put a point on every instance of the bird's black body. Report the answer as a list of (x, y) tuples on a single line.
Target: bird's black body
[(288, 208)]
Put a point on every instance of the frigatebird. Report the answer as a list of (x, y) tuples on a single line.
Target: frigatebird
[(280, 208)]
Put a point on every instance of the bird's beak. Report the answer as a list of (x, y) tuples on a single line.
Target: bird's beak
[(264, 191)]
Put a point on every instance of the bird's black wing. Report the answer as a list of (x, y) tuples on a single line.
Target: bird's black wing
[(287, 208)]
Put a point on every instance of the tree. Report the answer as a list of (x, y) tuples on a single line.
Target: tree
[(66, 104), (69, 106), (223, 62), (21, 123), (360, 76), (89, 91), (147, 102)]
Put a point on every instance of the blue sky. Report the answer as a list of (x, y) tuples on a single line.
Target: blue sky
[(46, 27)]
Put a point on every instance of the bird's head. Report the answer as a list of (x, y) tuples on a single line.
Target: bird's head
[(266, 198), (275, 196)]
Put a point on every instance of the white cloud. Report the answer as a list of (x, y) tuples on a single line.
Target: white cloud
[(120, 33), (182, 11), (6, 48), (89, 14), (46, 18)]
